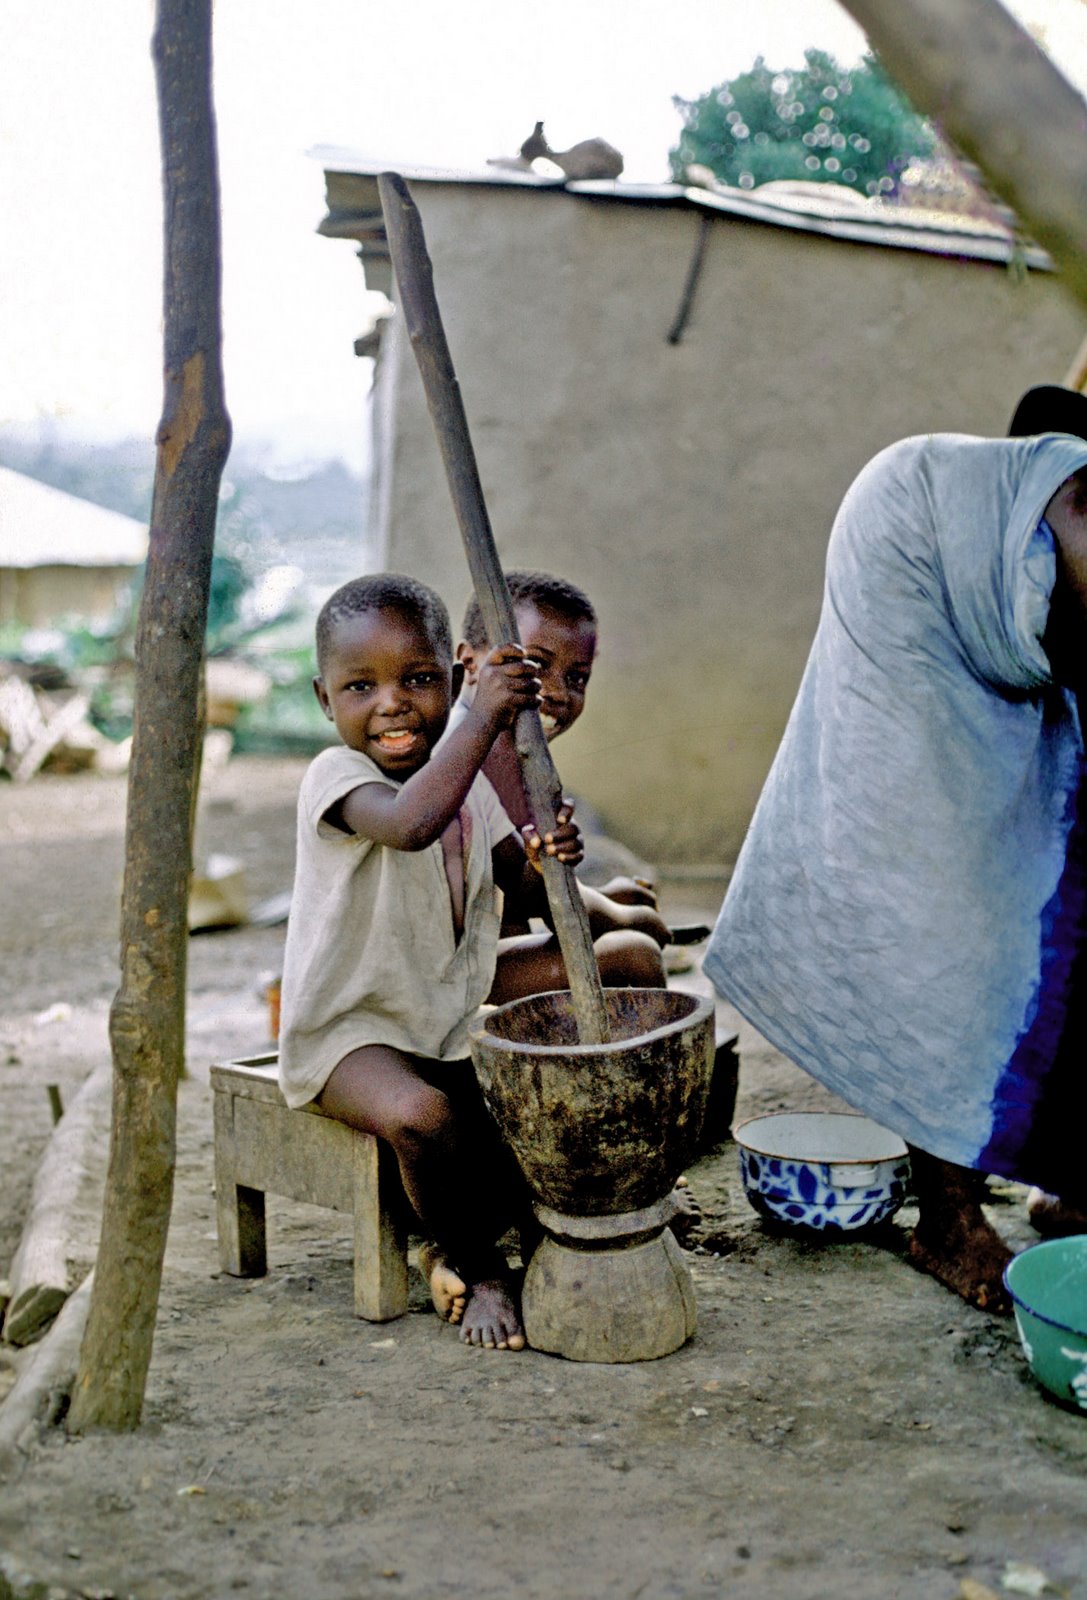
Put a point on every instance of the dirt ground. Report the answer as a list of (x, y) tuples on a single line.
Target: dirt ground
[(839, 1427)]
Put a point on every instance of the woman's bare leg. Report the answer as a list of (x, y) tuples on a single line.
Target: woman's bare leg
[(1054, 1217)]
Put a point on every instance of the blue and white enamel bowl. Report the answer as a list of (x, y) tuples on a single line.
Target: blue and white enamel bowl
[(826, 1170)]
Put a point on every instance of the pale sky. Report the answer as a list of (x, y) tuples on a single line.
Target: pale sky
[(428, 81)]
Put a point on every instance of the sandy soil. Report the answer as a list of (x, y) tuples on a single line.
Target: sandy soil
[(839, 1427)]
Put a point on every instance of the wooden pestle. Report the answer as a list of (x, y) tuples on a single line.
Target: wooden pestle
[(419, 307)]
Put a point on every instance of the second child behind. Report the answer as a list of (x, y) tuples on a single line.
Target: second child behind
[(393, 937), (557, 624)]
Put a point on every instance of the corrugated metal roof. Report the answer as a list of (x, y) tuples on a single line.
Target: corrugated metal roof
[(852, 219), (45, 527)]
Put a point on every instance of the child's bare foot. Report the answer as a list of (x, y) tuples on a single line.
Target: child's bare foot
[(448, 1290), (1052, 1218), (684, 1214), (491, 1317), (968, 1259)]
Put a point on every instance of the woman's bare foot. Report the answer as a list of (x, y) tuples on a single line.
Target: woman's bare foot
[(954, 1241), (448, 1290), (971, 1262), (491, 1318), (1052, 1217), (684, 1214)]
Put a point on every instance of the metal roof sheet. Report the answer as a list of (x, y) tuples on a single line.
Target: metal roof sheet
[(45, 527), (851, 220)]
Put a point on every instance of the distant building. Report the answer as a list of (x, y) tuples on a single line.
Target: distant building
[(669, 390), (61, 556)]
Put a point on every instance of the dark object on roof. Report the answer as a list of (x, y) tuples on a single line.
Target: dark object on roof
[(1048, 408), (590, 158)]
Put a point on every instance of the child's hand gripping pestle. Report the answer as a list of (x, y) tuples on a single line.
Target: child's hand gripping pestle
[(419, 307)]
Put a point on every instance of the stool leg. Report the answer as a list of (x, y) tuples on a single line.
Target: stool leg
[(381, 1260), (239, 1210)]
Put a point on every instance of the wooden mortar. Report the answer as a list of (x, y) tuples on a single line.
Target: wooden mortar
[(601, 1132)]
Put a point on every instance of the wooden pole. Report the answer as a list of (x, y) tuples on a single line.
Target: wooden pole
[(147, 1021), (44, 1378), (969, 66), (1076, 376), (419, 306)]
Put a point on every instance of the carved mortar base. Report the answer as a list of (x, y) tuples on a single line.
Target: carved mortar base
[(608, 1288)]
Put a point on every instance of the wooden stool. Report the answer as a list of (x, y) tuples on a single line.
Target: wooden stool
[(262, 1146)]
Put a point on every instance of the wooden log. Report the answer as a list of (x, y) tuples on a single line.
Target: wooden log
[(62, 722), (45, 1379), (35, 725), (419, 305), (39, 1271), (21, 719)]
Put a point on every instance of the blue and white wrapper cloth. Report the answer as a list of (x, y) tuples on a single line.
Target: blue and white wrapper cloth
[(908, 916)]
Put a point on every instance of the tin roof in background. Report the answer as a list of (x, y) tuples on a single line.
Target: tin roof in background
[(837, 214), (45, 527)]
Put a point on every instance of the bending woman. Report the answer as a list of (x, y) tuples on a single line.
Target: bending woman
[(908, 917)]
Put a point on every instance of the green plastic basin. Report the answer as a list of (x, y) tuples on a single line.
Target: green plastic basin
[(1048, 1286)]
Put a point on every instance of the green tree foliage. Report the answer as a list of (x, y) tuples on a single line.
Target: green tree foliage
[(823, 123)]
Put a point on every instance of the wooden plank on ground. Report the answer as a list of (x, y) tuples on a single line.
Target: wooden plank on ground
[(45, 1379), (39, 1272)]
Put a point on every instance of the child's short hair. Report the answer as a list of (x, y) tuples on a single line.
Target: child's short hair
[(536, 588), (385, 591)]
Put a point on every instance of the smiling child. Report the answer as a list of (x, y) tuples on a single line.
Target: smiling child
[(393, 937)]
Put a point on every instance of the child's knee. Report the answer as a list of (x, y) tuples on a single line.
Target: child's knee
[(629, 959), (422, 1118)]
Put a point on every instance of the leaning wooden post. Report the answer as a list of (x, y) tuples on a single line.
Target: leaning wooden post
[(969, 66), (147, 1021), (1076, 376), (419, 307)]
